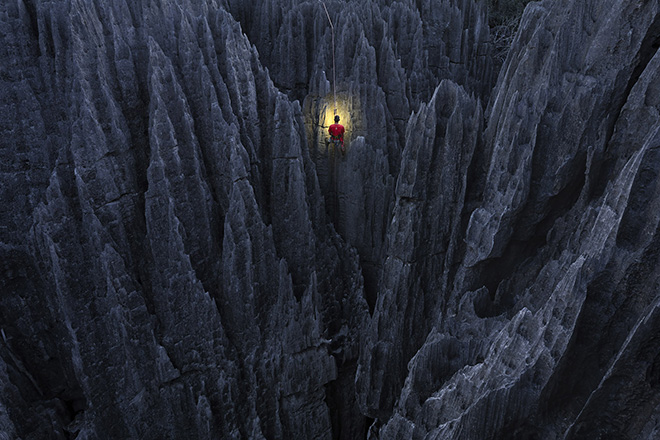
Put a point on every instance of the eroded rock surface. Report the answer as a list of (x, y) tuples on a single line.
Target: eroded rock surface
[(168, 268), (184, 256)]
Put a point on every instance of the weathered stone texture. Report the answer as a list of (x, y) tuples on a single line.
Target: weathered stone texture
[(160, 246), (183, 255)]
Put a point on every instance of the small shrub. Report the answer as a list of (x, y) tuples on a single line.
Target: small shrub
[(504, 18)]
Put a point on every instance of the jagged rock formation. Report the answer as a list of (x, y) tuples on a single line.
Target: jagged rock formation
[(532, 342), (183, 255), (166, 258), (390, 56)]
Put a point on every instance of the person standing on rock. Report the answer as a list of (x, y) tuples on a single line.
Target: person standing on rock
[(336, 131)]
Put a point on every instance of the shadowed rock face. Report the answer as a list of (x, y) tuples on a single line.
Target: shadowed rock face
[(183, 255), (168, 267)]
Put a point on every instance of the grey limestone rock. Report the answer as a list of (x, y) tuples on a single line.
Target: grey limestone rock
[(557, 257), (421, 238), (161, 266), (184, 256), (553, 112)]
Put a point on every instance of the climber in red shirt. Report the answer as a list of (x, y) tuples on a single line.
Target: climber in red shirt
[(336, 131)]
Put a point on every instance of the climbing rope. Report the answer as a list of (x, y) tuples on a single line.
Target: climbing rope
[(334, 75), (334, 172)]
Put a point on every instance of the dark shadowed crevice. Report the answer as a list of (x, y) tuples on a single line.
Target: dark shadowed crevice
[(614, 297), (34, 26), (348, 423), (497, 273), (35, 356), (494, 273), (640, 204), (371, 274), (578, 372), (648, 48)]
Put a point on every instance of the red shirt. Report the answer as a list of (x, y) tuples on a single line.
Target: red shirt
[(337, 131)]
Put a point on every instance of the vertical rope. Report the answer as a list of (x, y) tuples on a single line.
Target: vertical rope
[(334, 75), (334, 172), (336, 213)]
